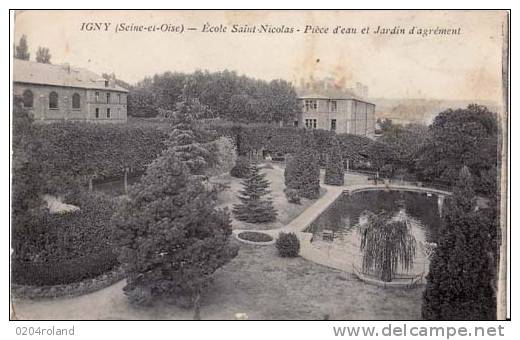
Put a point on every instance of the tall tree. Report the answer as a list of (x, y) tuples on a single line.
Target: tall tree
[(254, 208), (462, 276), (334, 171), (457, 138), (170, 237), (22, 50), (184, 142), (43, 55), (302, 171)]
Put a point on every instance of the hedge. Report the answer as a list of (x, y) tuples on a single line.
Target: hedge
[(82, 151), (63, 271), (54, 244)]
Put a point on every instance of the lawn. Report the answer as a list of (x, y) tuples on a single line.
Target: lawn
[(286, 211), (257, 282)]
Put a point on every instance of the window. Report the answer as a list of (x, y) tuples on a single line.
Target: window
[(295, 123), (28, 98), (311, 123), (76, 101), (332, 125), (97, 96), (119, 98), (106, 83), (333, 106), (108, 112), (108, 97), (53, 100), (97, 112), (311, 104)]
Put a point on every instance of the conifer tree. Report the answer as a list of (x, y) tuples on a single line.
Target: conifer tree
[(254, 207), (461, 279), (184, 142), (169, 235), (334, 172), (303, 172)]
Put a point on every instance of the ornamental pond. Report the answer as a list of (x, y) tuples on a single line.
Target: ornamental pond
[(335, 231)]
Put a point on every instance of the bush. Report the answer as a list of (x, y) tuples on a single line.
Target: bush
[(288, 245), (302, 173), (225, 154), (66, 247), (255, 236), (334, 172), (58, 272), (292, 196), (241, 168)]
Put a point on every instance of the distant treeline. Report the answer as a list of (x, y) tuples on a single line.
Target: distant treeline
[(224, 95)]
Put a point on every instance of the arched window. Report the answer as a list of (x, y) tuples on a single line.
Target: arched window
[(28, 98), (76, 101), (53, 100)]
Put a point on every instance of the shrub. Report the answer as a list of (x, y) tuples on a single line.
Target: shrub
[(302, 173), (68, 247), (288, 245), (292, 196), (334, 172), (225, 154), (241, 168), (255, 236)]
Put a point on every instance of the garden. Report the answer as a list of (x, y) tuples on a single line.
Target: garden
[(163, 247)]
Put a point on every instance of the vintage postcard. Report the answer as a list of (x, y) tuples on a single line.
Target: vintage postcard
[(259, 165)]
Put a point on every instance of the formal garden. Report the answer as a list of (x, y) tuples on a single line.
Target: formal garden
[(204, 222)]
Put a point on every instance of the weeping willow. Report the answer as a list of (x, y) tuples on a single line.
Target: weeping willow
[(386, 243)]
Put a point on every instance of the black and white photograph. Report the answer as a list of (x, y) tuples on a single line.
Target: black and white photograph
[(259, 165)]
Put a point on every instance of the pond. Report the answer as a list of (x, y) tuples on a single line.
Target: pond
[(335, 231)]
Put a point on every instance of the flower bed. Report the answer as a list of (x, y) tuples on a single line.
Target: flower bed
[(255, 237)]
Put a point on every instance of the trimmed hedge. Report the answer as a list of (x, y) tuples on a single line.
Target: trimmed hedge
[(63, 271), (63, 248)]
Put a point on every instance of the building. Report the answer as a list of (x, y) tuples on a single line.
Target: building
[(62, 92), (337, 112)]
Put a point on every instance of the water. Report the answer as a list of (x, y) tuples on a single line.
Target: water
[(344, 214)]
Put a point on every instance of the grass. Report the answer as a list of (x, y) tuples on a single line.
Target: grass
[(257, 282), (286, 211)]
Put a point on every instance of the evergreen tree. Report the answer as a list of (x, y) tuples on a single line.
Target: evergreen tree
[(254, 208), (22, 50), (170, 236), (334, 171), (302, 171), (184, 142), (461, 280), (43, 56)]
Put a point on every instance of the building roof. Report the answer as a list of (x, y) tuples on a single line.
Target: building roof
[(31, 72), (330, 93)]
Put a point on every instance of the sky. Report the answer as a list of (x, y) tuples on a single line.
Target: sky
[(467, 66)]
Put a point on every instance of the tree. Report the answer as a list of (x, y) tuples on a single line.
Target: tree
[(169, 235), (334, 172), (461, 137), (184, 142), (462, 277), (22, 50), (255, 209), (302, 171), (386, 243), (43, 55)]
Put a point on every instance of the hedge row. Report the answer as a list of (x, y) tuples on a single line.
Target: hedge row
[(253, 138), (83, 151), (63, 271)]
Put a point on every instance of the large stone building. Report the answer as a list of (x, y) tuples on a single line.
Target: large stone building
[(62, 92), (341, 113)]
